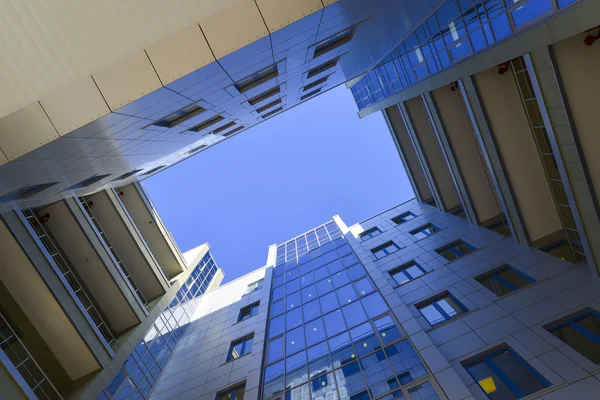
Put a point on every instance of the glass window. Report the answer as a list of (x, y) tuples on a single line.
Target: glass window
[(274, 379), (530, 11), (356, 271), (299, 393), (354, 314), (404, 217), (236, 393), (276, 308), (334, 267), (441, 308), (406, 272), (342, 351), (385, 249), (321, 273), (292, 286), (318, 360), (374, 304), (293, 318), (504, 375), (309, 293), (369, 233), (387, 329), (424, 391), (504, 280), (363, 287), (311, 310), (350, 381), (240, 347), (323, 388), (364, 339), (346, 294), (277, 326), (405, 362), (279, 280), (278, 292), (424, 231), (248, 311), (294, 341), (307, 280), (340, 279), (293, 301), (349, 259), (315, 331), (379, 374), (582, 333), (275, 350), (328, 302), (295, 370), (254, 286), (324, 286), (455, 250), (334, 323)]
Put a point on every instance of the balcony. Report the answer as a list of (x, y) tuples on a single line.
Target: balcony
[(152, 229)]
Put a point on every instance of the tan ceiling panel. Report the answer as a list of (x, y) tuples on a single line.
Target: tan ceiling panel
[(25, 130), (329, 2), (75, 106), (128, 80), (279, 13), (180, 54), (233, 28)]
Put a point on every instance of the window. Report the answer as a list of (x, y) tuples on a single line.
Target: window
[(369, 233), (270, 113), (235, 393), (315, 83), (264, 95), (25, 192), (503, 374), (269, 105), (406, 272), (254, 286), (455, 250), (223, 128), (127, 175), (257, 78), (440, 308), (582, 333), (322, 68), (248, 311), (155, 169), (310, 94), (385, 249), (196, 149), (504, 280), (180, 116), (402, 218), (240, 347), (334, 41), (424, 231), (88, 182), (231, 132), (205, 124)]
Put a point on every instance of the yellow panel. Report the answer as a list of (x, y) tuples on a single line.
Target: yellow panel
[(75, 106), (329, 2), (180, 54), (25, 130), (488, 385), (278, 13), (128, 80), (233, 28)]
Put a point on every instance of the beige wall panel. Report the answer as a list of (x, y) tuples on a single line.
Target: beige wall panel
[(9, 388), (431, 149), (278, 13), (578, 65), (466, 151), (3, 159), (180, 54), (34, 298), (329, 2), (509, 123), (25, 130), (401, 134), (128, 80), (75, 106), (233, 28)]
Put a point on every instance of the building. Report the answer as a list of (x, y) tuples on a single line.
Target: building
[(413, 303), (94, 296)]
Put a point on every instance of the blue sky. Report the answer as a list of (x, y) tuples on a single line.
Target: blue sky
[(280, 179)]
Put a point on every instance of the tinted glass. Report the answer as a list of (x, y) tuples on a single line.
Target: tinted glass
[(275, 350)]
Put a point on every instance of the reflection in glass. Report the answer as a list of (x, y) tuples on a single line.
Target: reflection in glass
[(346, 294), (354, 314), (334, 323), (350, 380), (295, 370), (364, 339), (404, 359), (379, 374), (315, 332), (311, 310), (318, 360), (342, 351), (275, 350), (293, 319), (294, 341), (387, 329), (328, 302), (374, 304), (323, 388)]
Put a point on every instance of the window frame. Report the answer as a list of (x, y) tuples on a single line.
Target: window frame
[(250, 307), (243, 340), (261, 282), (367, 234), (401, 269), (431, 301), (439, 250), (420, 229), (384, 248), (231, 390), (493, 274), (401, 217), (571, 321), (491, 364)]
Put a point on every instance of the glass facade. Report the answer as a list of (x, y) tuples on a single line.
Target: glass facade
[(141, 369), (458, 29), (331, 334)]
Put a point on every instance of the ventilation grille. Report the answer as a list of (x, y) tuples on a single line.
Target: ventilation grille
[(180, 116), (223, 128), (153, 170), (127, 175), (322, 67), (231, 132), (275, 111), (264, 95), (25, 192), (334, 41), (267, 106), (307, 95), (257, 78), (205, 124), (197, 149), (315, 83)]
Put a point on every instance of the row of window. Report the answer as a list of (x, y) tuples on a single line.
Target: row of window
[(398, 220), (451, 252)]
